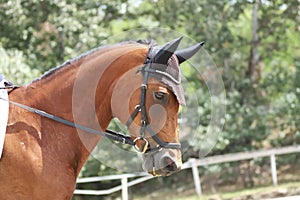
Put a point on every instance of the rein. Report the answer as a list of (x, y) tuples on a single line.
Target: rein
[(125, 139), (108, 133)]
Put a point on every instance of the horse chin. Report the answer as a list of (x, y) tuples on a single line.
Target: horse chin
[(162, 163)]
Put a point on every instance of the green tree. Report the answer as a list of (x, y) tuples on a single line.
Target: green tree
[(14, 67)]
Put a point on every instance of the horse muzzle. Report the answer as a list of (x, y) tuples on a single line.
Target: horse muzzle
[(162, 163)]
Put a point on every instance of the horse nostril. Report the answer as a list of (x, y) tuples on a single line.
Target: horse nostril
[(170, 165)]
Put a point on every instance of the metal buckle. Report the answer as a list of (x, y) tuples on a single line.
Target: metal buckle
[(145, 147), (158, 147), (138, 107)]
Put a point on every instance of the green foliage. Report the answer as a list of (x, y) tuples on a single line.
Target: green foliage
[(14, 68)]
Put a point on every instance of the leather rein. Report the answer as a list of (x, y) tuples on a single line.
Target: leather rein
[(113, 135)]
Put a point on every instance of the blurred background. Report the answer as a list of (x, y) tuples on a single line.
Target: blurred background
[(255, 45)]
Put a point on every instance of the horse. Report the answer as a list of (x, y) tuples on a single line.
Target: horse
[(57, 120)]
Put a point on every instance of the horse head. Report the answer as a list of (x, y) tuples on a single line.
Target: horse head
[(153, 94)]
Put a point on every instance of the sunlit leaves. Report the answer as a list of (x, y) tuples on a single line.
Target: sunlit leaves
[(14, 68)]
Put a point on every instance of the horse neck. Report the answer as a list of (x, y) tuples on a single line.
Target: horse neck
[(81, 91), (84, 85)]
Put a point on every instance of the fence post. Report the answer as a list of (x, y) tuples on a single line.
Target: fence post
[(273, 169), (124, 182), (196, 177)]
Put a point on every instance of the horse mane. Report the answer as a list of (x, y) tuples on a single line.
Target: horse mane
[(84, 55)]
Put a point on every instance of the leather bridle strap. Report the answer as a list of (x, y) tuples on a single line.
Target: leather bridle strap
[(145, 123)]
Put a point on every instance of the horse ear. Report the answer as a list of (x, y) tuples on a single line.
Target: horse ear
[(187, 53), (166, 51)]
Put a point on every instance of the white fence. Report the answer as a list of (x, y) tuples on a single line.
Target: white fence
[(191, 163)]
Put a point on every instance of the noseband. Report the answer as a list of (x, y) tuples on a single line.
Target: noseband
[(145, 122)]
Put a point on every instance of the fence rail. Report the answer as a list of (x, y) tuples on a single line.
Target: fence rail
[(247, 155), (190, 164)]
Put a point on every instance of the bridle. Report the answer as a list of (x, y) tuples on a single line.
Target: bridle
[(142, 109), (113, 135)]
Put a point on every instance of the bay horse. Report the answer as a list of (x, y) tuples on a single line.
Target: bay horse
[(48, 135)]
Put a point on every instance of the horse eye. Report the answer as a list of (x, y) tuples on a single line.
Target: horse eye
[(159, 95)]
